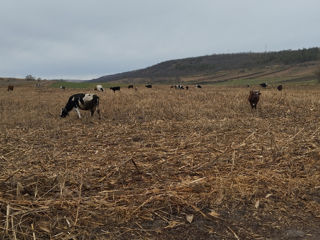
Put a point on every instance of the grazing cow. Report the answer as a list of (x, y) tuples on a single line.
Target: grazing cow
[(114, 89), (179, 87), (254, 98), (10, 88), (264, 85), (148, 86), (187, 87), (198, 86), (84, 102), (62, 87), (130, 86), (280, 87), (99, 88)]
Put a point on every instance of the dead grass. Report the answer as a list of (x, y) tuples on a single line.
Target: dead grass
[(161, 164)]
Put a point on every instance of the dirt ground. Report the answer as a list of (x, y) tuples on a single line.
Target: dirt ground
[(161, 164)]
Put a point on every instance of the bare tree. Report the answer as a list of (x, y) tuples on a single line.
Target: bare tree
[(30, 77)]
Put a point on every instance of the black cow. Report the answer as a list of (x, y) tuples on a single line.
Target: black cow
[(148, 86), (114, 89), (264, 85), (198, 86), (10, 88), (254, 98), (130, 86), (84, 102), (280, 87), (62, 87), (187, 87)]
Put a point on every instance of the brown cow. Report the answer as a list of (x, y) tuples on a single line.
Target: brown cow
[(10, 88), (254, 98)]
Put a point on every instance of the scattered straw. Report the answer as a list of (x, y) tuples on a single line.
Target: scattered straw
[(160, 163)]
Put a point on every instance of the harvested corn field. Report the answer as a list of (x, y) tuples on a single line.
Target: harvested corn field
[(161, 164)]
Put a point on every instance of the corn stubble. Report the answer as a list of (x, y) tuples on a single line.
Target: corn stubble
[(161, 163)]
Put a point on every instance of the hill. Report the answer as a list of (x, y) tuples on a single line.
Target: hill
[(23, 82), (227, 68)]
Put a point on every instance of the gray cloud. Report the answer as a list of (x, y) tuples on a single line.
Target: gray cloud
[(84, 39)]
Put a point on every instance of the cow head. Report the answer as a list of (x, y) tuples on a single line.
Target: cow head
[(256, 93), (64, 112)]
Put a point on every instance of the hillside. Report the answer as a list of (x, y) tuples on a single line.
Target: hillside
[(22, 82), (288, 65)]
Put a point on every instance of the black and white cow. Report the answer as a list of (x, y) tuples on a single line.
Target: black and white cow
[(99, 88), (83, 101), (198, 86), (148, 86)]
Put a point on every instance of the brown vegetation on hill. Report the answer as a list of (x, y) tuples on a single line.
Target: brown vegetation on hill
[(297, 73), (161, 164), (217, 65)]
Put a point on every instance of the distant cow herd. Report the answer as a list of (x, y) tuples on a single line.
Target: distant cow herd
[(90, 102), (181, 87)]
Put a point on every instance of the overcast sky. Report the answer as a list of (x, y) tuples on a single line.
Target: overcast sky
[(84, 39)]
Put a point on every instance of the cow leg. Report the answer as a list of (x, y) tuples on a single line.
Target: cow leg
[(98, 111), (92, 111), (77, 110)]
